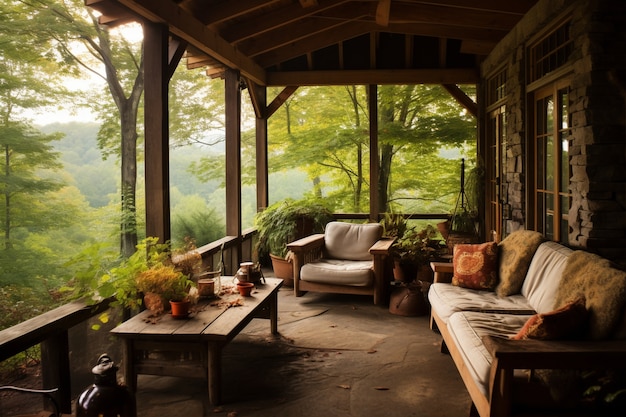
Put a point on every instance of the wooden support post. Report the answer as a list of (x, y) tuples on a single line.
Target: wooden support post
[(262, 188), (374, 164), (233, 156), (156, 105)]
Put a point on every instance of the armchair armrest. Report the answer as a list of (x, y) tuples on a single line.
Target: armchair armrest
[(305, 250), (307, 244), (443, 271), (382, 247)]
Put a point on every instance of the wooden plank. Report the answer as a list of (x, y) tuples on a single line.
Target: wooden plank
[(18, 338), (227, 325)]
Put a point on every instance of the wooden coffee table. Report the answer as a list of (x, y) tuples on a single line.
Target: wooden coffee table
[(192, 347)]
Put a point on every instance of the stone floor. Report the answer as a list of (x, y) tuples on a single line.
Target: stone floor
[(337, 355)]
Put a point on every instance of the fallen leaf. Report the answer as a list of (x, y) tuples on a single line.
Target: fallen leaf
[(344, 386), (372, 351)]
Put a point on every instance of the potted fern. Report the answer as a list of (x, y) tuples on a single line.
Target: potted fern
[(284, 222)]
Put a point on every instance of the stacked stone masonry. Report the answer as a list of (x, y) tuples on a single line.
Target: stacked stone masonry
[(597, 147)]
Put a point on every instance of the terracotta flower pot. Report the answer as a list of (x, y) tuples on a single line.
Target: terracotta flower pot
[(245, 288), (180, 309)]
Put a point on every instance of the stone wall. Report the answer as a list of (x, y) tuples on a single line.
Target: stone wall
[(597, 218)]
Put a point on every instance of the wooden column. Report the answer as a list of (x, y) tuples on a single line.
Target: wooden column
[(374, 158), (233, 156), (156, 131), (262, 188)]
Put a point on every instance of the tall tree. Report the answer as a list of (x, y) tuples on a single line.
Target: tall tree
[(29, 80), (82, 41)]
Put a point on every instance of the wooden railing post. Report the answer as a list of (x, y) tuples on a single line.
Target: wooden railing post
[(55, 370)]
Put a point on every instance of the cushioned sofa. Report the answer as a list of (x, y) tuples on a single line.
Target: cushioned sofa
[(546, 336)]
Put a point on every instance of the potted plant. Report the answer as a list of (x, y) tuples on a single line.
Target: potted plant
[(148, 277), (414, 250), (284, 222), (163, 284)]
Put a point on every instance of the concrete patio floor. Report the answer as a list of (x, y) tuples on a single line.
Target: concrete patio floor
[(337, 355)]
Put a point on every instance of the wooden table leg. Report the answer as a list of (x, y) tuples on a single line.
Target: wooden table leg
[(215, 373), (130, 377), (273, 306)]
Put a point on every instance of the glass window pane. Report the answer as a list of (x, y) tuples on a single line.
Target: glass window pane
[(564, 99), (549, 161), (549, 114), (565, 166)]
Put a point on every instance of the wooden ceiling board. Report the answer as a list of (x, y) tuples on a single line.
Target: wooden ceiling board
[(259, 37)]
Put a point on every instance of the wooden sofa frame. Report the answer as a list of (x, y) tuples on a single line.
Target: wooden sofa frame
[(509, 355), (311, 248)]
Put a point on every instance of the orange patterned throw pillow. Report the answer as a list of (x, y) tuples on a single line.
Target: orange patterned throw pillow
[(567, 322), (476, 266)]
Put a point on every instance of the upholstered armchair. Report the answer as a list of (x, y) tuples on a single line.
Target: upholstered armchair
[(347, 258)]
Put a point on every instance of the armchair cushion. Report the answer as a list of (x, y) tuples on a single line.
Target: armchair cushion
[(351, 241), (336, 271)]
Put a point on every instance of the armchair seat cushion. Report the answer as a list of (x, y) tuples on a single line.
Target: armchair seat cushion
[(338, 272)]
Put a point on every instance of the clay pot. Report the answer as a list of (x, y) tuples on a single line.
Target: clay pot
[(180, 309), (245, 288)]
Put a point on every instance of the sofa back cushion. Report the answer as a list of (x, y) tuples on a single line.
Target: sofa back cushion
[(515, 254), (544, 276), (351, 241)]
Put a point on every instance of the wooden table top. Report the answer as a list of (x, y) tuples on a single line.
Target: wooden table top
[(217, 319)]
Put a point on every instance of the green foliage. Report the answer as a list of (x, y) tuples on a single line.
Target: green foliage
[(278, 224), (417, 246), (193, 218)]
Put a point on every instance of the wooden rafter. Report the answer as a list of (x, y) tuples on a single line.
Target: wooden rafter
[(382, 12)]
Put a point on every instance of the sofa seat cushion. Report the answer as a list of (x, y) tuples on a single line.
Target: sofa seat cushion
[(446, 299), (467, 329), (544, 276), (339, 272)]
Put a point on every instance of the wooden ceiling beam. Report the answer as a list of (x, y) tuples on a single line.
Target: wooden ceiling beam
[(113, 14), (365, 77), (280, 99), (254, 26), (519, 7), (186, 27), (382, 12), (428, 13), (301, 47), (210, 14), (306, 28), (445, 31), (462, 98)]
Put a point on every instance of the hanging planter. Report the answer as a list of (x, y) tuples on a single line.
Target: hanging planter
[(464, 224)]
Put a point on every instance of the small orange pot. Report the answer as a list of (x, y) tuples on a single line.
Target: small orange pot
[(245, 288), (180, 309)]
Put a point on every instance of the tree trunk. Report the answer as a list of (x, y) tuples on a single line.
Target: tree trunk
[(128, 232)]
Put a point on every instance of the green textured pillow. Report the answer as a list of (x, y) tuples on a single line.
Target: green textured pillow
[(515, 253)]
